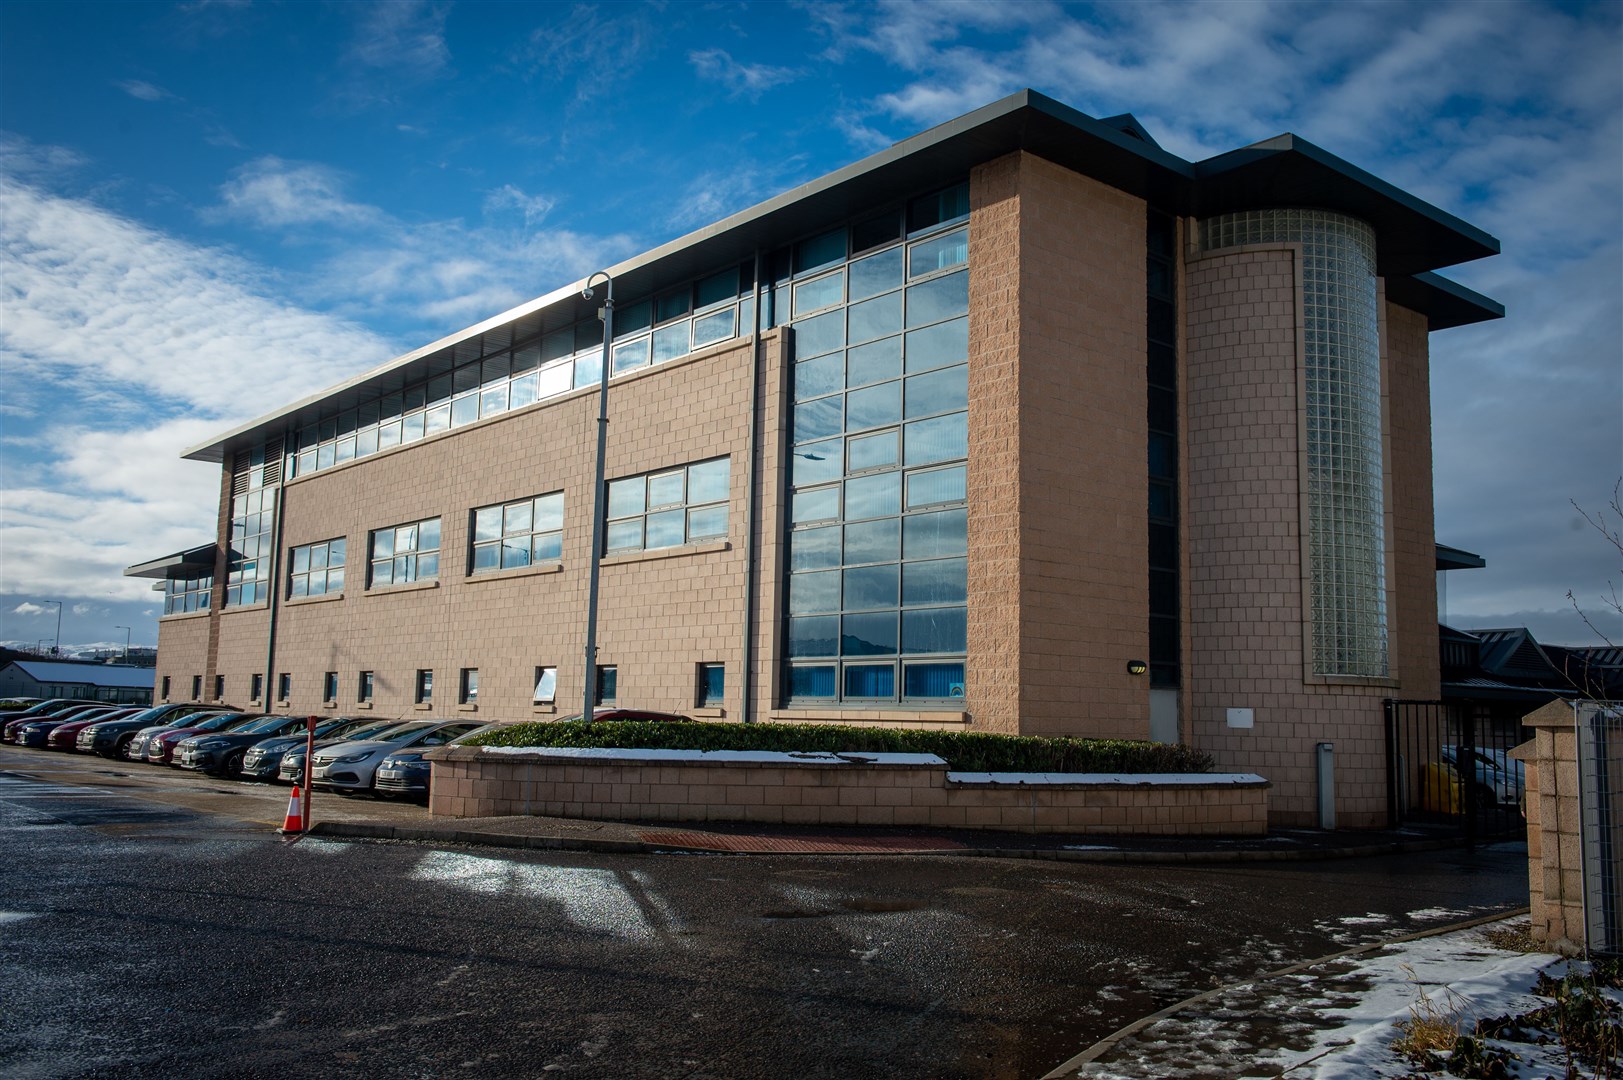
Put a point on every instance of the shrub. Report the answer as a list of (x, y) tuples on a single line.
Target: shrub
[(962, 751)]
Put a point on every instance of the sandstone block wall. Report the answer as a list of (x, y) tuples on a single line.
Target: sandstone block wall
[(470, 783)]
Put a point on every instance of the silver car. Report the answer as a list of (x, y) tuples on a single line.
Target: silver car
[(263, 761), (351, 766)]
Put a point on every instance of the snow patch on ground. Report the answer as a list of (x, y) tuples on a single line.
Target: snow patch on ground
[(718, 757), (1107, 779), (1337, 1020)]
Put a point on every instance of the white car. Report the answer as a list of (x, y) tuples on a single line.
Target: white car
[(1499, 779), (352, 766)]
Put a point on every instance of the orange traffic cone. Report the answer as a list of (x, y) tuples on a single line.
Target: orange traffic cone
[(295, 814)]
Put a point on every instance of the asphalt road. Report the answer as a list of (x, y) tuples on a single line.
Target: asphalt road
[(148, 939)]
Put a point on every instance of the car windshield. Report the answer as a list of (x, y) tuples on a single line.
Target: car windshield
[(269, 723), (441, 736), (370, 731), (399, 732), (224, 721)]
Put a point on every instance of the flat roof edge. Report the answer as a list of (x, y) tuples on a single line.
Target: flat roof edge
[(1446, 304)]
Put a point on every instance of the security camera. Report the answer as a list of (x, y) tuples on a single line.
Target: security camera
[(586, 293)]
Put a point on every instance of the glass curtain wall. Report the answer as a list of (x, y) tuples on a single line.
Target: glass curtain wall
[(878, 520), (671, 324), (1346, 515), (255, 476)]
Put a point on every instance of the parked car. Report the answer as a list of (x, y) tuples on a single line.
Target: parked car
[(263, 760), (607, 712), (351, 766), (221, 752), (405, 773), (66, 736), (52, 707), (160, 747), (110, 738), (34, 732), (292, 768), (1496, 780)]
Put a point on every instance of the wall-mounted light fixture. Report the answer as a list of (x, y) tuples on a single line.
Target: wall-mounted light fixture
[(1137, 667)]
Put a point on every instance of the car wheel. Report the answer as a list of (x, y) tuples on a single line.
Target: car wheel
[(121, 749), (232, 769)]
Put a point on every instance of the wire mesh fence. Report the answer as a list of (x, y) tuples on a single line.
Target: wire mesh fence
[(1600, 797)]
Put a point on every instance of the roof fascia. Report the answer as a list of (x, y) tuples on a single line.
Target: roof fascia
[(1446, 304), (166, 566)]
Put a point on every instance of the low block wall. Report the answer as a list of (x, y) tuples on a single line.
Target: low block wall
[(1555, 883), (833, 789)]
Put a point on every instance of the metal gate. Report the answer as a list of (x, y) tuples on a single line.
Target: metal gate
[(1600, 797), (1449, 768)]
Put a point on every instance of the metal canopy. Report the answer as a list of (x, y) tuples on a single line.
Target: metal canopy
[(1413, 236), (180, 564)]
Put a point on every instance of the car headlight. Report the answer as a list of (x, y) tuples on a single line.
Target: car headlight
[(209, 744), (353, 758)]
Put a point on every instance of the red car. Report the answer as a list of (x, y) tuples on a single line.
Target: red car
[(160, 748), (65, 736), (35, 731)]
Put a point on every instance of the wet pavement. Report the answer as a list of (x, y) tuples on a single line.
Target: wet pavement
[(158, 927)]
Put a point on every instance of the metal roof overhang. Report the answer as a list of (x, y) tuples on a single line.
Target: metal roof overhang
[(1285, 171), (180, 564), (1255, 177), (1453, 558)]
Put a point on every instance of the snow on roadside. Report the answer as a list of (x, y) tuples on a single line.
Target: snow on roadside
[(1337, 1020), (1460, 974)]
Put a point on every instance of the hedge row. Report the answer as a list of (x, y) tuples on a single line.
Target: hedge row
[(963, 751)]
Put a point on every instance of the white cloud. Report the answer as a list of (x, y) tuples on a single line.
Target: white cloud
[(741, 80), (533, 208), (402, 35), (272, 193), (592, 50), (81, 609), (135, 345), (145, 91), (29, 608), (444, 273)]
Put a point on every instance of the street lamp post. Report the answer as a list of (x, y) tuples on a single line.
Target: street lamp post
[(56, 649), (607, 315), (126, 641)]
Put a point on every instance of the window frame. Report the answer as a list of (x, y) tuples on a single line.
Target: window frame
[(644, 485), (608, 679), (365, 686), (705, 697), (542, 671), (309, 575), (284, 686), (503, 539), (467, 692), (422, 690), (329, 687), (414, 555)]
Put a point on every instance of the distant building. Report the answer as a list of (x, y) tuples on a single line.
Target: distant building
[(115, 683), (1021, 425)]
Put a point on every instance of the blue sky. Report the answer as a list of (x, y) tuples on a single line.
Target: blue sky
[(210, 208)]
